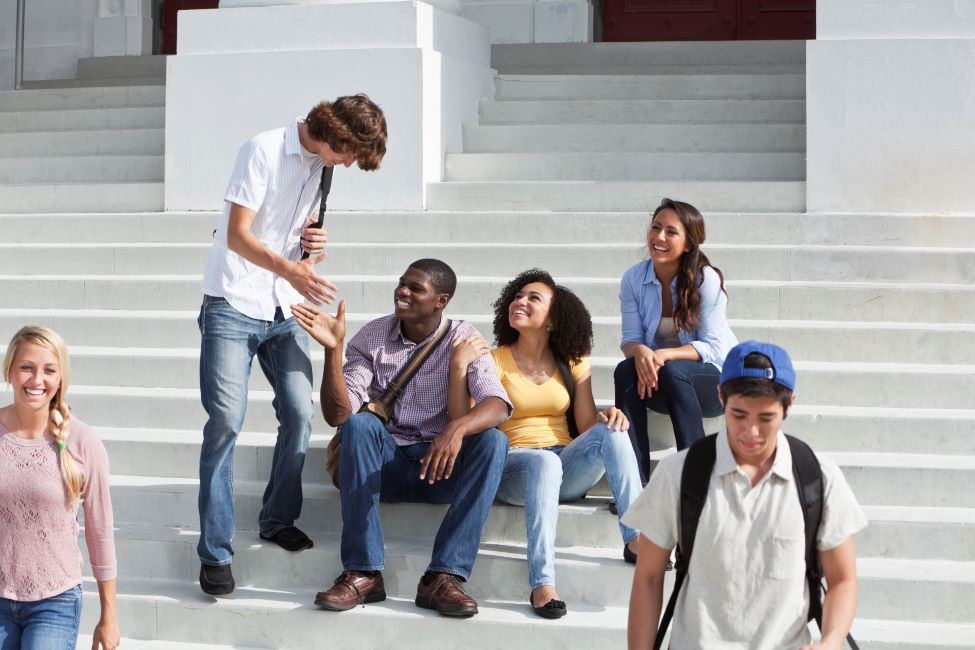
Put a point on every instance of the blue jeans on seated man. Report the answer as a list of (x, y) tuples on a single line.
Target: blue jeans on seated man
[(374, 468), (230, 340), (541, 478), (49, 624), (687, 391)]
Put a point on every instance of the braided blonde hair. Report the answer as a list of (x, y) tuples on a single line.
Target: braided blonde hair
[(60, 412)]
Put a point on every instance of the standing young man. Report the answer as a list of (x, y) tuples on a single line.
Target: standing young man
[(746, 582), (254, 270), (419, 454)]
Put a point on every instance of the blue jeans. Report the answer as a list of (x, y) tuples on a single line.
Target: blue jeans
[(374, 468), (686, 390), (229, 342), (541, 478), (49, 624)]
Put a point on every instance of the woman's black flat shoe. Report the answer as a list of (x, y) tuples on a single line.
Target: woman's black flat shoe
[(551, 609)]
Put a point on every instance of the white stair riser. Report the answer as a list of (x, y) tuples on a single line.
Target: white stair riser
[(674, 111), (83, 143), (81, 197), (64, 99), (152, 117), (624, 167), (82, 169), (754, 86), (579, 196), (121, 66)]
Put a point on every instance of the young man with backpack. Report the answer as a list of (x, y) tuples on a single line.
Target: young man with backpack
[(765, 519)]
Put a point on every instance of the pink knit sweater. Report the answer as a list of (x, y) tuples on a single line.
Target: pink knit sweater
[(39, 554)]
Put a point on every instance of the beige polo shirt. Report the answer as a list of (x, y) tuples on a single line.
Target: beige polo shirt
[(745, 586)]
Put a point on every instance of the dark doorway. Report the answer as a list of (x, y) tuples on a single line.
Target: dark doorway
[(708, 20), (169, 21)]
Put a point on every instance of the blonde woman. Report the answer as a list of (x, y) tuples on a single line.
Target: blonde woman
[(50, 464)]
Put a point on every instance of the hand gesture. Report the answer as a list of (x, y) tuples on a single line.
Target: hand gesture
[(308, 283), (327, 330), (463, 352), (439, 461), (313, 239), (648, 363), (106, 635), (614, 419)]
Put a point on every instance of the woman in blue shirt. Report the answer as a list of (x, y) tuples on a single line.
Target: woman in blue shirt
[(675, 332)]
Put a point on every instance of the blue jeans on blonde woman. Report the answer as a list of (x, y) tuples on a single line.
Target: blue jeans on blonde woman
[(540, 479), (49, 624), (230, 341)]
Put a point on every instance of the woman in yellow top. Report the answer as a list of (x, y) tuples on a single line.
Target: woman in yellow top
[(538, 326)]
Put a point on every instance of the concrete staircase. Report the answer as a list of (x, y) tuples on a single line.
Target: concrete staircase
[(878, 311)]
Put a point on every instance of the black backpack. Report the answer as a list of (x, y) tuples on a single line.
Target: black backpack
[(694, 480)]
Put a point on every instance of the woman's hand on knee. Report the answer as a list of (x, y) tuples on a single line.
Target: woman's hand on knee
[(613, 418), (647, 365)]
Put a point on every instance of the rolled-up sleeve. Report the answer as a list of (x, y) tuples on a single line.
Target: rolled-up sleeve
[(358, 370), (713, 338), (630, 288)]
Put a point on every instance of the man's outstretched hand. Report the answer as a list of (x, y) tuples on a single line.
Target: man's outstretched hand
[(327, 330)]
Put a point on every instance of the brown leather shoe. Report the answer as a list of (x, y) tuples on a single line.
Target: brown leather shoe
[(446, 595), (350, 589)]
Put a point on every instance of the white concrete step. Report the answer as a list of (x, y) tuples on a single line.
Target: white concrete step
[(83, 143), (516, 227), (841, 301), (570, 58), (902, 635), (286, 619), (644, 111), (82, 169), (582, 196), (122, 66), (81, 197), (729, 86), (918, 533), (61, 99), (624, 166), (84, 641), (932, 590), (807, 340), (744, 262), (610, 138), (100, 82), (145, 117)]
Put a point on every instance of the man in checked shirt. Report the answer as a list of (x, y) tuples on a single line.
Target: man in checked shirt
[(420, 454)]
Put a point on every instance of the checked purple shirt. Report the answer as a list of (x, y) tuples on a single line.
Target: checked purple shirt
[(379, 350)]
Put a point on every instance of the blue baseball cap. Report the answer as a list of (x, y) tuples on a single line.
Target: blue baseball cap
[(781, 372)]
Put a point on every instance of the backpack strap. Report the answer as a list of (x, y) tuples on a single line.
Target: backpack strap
[(570, 386), (694, 480), (809, 484), (324, 186)]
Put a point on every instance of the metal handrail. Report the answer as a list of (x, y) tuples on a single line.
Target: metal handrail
[(19, 52)]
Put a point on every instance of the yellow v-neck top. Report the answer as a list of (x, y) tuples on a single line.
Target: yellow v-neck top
[(538, 418)]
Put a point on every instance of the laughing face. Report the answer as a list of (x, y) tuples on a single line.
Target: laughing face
[(35, 377), (530, 308), (415, 298), (667, 238)]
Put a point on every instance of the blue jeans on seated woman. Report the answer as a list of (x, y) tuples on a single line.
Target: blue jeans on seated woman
[(49, 624), (540, 479), (686, 390)]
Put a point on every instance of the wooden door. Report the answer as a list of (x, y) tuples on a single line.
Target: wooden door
[(170, 7), (708, 20)]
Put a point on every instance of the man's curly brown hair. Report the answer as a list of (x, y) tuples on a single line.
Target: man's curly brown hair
[(351, 124), (571, 335)]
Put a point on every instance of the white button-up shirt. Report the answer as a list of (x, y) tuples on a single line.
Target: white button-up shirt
[(279, 180), (746, 585)]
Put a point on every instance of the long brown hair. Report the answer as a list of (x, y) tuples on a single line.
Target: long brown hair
[(60, 412), (690, 271)]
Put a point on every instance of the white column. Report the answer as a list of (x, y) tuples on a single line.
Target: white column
[(242, 70), (123, 28), (891, 106)]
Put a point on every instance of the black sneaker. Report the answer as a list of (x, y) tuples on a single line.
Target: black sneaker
[(290, 539), (216, 580)]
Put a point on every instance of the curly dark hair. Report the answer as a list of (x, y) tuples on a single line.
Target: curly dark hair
[(351, 124), (571, 335), (690, 273)]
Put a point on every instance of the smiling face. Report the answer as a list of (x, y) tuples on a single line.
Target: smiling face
[(753, 426), (416, 298), (35, 376), (531, 306), (667, 238)]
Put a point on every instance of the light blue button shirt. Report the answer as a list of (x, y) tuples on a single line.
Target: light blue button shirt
[(641, 300)]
